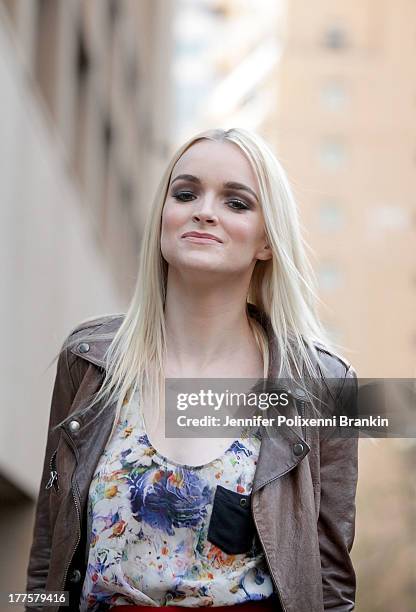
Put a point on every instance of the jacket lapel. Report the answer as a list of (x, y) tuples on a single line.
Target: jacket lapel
[(277, 455)]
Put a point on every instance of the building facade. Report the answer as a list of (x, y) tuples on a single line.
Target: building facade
[(344, 130), (85, 122)]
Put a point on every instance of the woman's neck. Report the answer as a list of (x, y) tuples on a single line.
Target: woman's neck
[(205, 329)]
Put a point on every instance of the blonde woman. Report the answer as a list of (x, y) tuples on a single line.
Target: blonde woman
[(130, 518)]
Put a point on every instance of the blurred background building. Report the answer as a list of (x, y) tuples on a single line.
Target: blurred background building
[(226, 55), (96, 94), (85, 121), (344, 129)]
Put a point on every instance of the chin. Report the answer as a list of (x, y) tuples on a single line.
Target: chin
[(191, 265)]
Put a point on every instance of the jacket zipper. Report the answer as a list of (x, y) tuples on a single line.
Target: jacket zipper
[(53, 479), (78, 509), (269, 565)]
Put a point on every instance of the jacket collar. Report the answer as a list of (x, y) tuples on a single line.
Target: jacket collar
[(92, 345), (277, 455), (93, 349)]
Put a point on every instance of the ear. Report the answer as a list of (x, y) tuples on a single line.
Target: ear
[(265, 253)]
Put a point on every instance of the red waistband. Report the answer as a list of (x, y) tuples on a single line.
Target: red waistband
[(250, 606)]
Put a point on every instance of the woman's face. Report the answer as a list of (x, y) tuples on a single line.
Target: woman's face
[(213, 190)]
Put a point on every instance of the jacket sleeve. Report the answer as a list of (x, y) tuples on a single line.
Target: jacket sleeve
[(336, 522), (62, 398)]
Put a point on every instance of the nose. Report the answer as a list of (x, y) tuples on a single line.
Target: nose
[(205, 212)]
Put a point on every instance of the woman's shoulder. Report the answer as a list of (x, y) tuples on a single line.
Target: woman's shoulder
[(333, 363), (98, 327), (102, 323), (88, 341)]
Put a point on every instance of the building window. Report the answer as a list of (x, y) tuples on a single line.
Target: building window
[(333, 96), (82, 69), (108, 138), (114, 7), (11, 8), (329, 277), (82, 59), (331, 216), (131, 73), (126, 193), (389, 218), (46, 49), (332, 154), (335, 38)]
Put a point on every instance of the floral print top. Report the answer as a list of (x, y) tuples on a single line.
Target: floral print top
[(153, 523)]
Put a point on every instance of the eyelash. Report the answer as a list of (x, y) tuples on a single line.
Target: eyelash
[(178, 195)]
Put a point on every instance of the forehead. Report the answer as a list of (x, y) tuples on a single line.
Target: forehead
[(219, 161)]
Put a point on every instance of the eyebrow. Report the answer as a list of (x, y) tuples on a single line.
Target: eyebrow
[(229, 184)]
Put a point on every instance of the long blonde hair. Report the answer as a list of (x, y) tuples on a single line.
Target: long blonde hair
[(283, 286)]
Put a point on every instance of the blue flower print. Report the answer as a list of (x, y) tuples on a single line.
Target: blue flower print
[(166, 499)]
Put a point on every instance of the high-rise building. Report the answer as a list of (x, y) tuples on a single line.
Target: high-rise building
[(343, 128)]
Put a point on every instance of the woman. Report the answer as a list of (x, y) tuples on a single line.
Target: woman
[(127, 516)]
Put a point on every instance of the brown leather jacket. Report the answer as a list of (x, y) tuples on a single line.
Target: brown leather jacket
[(303, 497)]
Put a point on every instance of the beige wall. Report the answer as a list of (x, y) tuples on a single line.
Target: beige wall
[(343, 129)]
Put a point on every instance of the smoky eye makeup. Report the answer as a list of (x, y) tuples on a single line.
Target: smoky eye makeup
[(236, 196), (181, 186), (183, 196), (184, 189)]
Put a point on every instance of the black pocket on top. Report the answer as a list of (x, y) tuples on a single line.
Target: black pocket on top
[(231, 527)]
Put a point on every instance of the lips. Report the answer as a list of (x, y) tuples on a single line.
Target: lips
[(201, 235)]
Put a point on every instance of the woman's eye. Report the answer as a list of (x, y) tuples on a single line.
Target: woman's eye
[(188, 196), (184, 196), (239, 205)]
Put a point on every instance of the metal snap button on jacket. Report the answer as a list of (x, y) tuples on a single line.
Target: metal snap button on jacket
[(74, 425), (84, 347), (75, 576), (243, 502), (298, 449)]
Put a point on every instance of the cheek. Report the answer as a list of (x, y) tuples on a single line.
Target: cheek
[(172, 217), (245, 230), (172, 223)]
